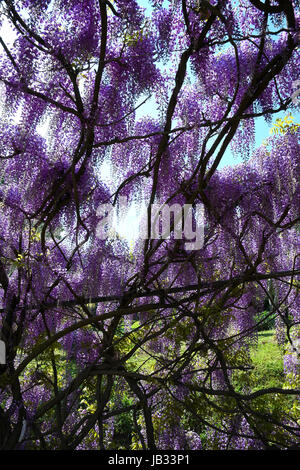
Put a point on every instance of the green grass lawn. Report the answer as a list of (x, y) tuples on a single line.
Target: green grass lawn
[(267, 363), (267, 358)]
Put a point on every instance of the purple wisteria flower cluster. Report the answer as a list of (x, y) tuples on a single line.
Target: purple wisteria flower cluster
[(144, 344)]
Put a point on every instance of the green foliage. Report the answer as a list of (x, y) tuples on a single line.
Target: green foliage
[(265, 320), (282, 126), (124, 426), (134, 37), (267, 360)]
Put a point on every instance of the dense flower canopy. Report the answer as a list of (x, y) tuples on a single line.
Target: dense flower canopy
[(87, 321)]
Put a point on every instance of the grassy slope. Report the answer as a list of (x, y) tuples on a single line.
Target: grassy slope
[(268, 361)]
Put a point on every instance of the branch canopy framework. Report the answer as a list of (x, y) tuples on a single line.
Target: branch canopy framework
[(146, 344)]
